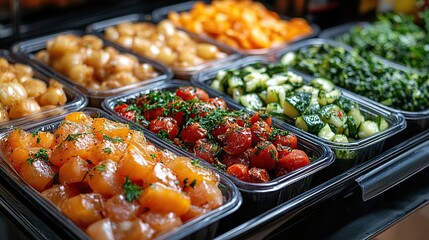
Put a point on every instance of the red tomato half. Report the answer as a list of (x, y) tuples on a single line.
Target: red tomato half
[(260, 132), (218, 102), (239, 171), (294, 160), (189, 93), (258, 175), (122, 109), (192, 133), (237, 140), (264, 156), (261, 117), (286, 140), (205, 150)]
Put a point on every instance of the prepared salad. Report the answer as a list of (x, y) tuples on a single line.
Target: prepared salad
[(317, 107), (244, 145), (241, 24), (22, 94), (163, 42), (86, 61), (364, 75), (395, 37), (109, 180)]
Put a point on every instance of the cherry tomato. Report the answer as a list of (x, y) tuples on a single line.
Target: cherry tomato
[(177, 111), (167, 124), (286, 139), (205, 150), (237, 140), (189, 93), (280, 172), (201, 109), (294, 160), (283, 151), (153, 114), (229, 160), (239, 171), (260, 132), (122, 109), (264, 156), (219, 103), (261, 117), (192, 133), (258, 175), (219, 132)]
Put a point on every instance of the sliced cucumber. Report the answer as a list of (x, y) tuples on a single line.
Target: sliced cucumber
[(345, 104), (251, 101), (334, 115), (296, 104), (263, 95), (312, 109), (276, 80), (237, 93), (295, 79), (345, 154), (235, 81), (351, 129), (322, 84), (288, 87), (357, 115), (275, 94), (382, 123), (340, 138), (312, 90), (326, 133), (309, 123), (368, 128), (216, 85), (325, 98)]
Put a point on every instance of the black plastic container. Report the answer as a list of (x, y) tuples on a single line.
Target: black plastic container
[(257, 197), (28, 48), (201, 227), (75, 99), (364, 148), (416, 121), (374, 176), (179, 72), (162, 13)]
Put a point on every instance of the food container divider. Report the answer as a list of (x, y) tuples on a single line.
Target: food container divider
[(363, 148), (27, 49), (179, 72), (162, 13), (257, 197), (204, 226), (75, 99)]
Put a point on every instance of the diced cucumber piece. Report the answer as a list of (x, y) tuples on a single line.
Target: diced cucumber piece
[(235, 81), (263, 95), (252, 85), (274, 108), (326, 133), (220, 75), (312, 109), (351, 129), (254, 80), (345, 104), (237, 93), (276, 80), (251, 101), (312, 90), (288, 87), (309, 123), (295, 79), (334, 115), (288, 58), (382, 123), (356, 114), (340, 138), (344, 154), (216, 85), (322, 84), (296, 104), (325, 98), (368, 128), (275, 94)]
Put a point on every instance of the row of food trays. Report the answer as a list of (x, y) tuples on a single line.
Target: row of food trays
[(245, 134)]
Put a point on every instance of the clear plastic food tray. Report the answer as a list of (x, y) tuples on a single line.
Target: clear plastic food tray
[(258, 197), (162, 13), (364, 148), (180, 72), (27, 49), (416, 121), (203, 227), (75, 99)]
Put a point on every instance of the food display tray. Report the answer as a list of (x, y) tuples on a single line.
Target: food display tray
[(416, 121), (75, 99), (257, 197), (179, 72), (201, 227), (371, 179), (27, 49), (365, 148), (162, 13)]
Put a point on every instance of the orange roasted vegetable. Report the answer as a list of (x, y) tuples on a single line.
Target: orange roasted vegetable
[(109, 180), (241, 24)]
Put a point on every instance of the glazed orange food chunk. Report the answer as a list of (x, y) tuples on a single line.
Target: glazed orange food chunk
[(241, 24), (89, 63), (164, 43), (109, 180), (22, 94)]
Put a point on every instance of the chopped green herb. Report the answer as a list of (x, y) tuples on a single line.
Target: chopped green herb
[(38, 140), (107, 150), (195, 162), (57, 136), (192, 185), (132, 191), (153, 156), (101, 167), (112, 139), (55, 179), (185, 182), (35, 133), (163, 134)]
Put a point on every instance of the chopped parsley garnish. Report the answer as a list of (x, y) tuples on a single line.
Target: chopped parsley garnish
[(153, 156), (112, 139), (163, 134), (185, 182), (196, 162), (192, 184), (57, 136), (38, 140), (101, 167), (132, 191), (35, 133), (55, 179), (40, 154), (107, 150)]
